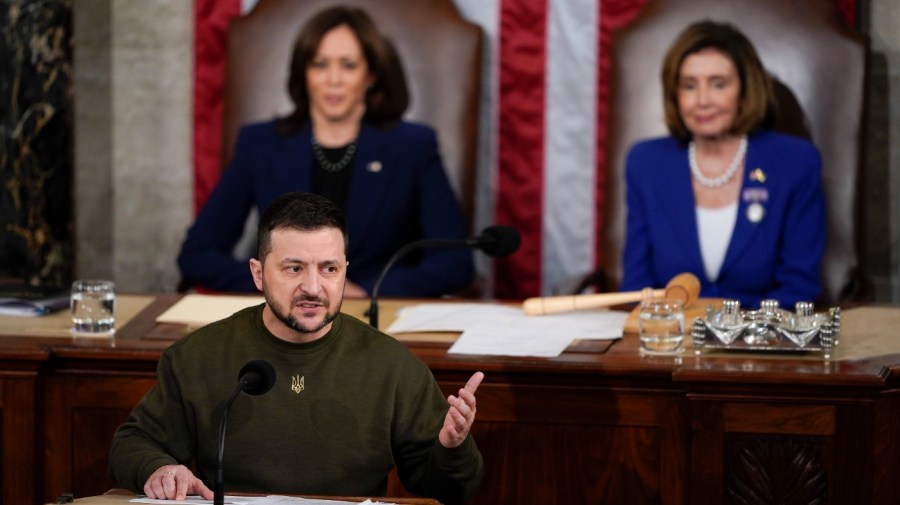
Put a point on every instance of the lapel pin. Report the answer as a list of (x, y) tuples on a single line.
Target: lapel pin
[(755, 212), (374, 166), (755, 194), (757, 175)]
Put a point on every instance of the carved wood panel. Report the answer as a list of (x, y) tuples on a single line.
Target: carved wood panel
[(82, 414), (17, 427), (578, 444), (776, 469), (572, 464)]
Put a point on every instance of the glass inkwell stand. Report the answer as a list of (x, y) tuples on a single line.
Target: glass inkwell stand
[(770, 328)]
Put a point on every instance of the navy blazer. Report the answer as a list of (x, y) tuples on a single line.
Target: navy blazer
[(775, 257), (399, 193)]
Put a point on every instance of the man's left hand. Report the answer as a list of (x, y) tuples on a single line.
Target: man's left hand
[(461, 414)]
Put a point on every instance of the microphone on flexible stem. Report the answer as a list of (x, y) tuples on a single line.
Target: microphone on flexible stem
[(493, 241), (255, 378)]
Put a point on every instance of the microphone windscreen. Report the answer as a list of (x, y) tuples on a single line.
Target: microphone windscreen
[(499, 240), (257, 377)]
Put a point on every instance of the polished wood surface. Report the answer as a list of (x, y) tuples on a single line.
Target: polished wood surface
[(123, 496), (601, 425)]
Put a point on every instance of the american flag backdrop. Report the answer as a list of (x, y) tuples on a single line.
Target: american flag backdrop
[(541, 156)]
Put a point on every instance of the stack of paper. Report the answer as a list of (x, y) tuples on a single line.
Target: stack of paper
[(198, 310), (504, 330)]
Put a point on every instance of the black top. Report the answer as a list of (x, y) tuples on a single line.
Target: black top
[(333, 185)]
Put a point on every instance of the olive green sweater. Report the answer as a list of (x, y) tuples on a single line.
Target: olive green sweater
[(366, 404)]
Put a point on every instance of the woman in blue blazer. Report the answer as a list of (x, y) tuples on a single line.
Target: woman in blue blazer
[(737, 205), (344, 140)]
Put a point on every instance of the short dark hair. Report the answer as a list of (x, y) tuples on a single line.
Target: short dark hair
[(298, 211), (386, 100), (757, 99)]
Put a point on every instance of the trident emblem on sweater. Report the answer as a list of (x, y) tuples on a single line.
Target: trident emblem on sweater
[(297, 384)]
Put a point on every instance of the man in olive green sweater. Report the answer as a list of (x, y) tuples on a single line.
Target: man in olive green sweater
[(348, 402)]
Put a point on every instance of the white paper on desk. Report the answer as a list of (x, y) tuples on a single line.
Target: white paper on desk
[(200, 310), (586, 325), (456, 317), (540, 336), (290, 500), (493, 340)]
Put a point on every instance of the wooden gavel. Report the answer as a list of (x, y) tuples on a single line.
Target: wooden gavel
[(683, 287)]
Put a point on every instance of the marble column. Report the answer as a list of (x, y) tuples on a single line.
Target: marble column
[(880, 179), (133, 125)]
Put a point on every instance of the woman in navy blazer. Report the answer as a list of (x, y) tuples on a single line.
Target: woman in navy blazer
[(723, 198), (344, 140)]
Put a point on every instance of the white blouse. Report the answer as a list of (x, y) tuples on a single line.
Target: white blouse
[(715, 227)]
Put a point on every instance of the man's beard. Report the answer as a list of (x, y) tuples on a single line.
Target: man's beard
[(290, 321)]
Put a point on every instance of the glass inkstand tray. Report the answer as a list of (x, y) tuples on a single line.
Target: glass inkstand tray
[(770, 329)]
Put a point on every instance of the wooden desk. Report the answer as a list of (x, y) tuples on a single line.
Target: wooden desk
[(123, 497), (602, 426)]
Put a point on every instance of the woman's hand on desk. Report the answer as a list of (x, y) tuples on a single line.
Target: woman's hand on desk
[(461, 414), (175, 482)]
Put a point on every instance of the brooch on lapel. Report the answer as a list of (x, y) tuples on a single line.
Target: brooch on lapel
[(374, 166), (757, 175), (756, 197)]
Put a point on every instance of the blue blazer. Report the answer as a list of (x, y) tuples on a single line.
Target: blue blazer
[(399, 193), (777, 256)]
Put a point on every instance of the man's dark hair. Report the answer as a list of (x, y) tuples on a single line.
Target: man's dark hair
[(298, 211)]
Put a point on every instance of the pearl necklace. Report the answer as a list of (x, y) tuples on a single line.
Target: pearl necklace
[(329, 166), (726, 176)]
